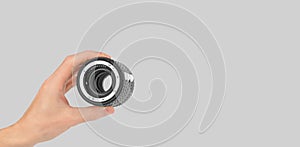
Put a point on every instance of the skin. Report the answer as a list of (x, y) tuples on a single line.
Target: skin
[(50, 114)]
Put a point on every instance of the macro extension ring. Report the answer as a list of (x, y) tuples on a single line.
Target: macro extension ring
[(91, 78)]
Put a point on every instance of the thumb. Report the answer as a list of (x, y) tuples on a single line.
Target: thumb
[(91, 113)]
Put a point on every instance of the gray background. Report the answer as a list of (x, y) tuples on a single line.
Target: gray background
[(260, 44)]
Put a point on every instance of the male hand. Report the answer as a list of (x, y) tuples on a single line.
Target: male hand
[(50, 113)]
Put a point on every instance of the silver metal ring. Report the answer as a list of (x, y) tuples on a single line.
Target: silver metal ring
[(123, 83), (92, 98)]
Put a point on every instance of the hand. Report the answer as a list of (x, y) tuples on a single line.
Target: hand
[(50, 113)]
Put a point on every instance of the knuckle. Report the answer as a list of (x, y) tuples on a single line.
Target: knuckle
[(69, 59), (45, 84), (48, 83)]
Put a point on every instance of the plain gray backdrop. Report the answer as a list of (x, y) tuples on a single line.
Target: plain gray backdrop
[(259, 40)]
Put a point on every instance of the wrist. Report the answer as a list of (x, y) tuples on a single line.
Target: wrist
[(16, 135)]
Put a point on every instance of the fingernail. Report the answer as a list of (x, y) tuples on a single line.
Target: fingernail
[(110, 110)]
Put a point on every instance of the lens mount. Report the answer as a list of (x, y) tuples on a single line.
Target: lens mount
[(91, 77)]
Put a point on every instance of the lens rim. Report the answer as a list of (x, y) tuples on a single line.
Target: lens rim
[(118, 74)]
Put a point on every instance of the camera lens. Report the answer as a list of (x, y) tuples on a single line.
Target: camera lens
[(105, 82)]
